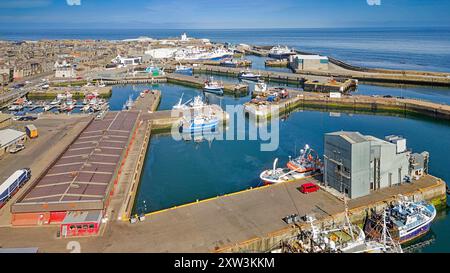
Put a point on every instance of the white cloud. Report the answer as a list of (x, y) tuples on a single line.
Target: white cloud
[(73, 2)]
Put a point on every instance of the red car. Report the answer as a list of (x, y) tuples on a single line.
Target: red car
[(309, 187)]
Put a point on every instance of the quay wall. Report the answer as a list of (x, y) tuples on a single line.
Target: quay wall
[(308, 100), (134, 186), (344, 69), (161, 79), (388, 105), (435, 194), (266, 75), (39, 95)]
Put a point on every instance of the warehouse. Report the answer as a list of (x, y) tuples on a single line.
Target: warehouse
[(9, 138), (356, 164), (82, 179), (308, 62)]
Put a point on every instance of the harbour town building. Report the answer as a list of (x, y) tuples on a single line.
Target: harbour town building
[(357, 164), (308, 62)]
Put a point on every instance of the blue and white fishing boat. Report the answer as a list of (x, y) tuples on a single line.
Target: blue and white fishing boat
[(213, 86), (182, 69), (229, 63), (199, 124), (406, 220), (249, 76)]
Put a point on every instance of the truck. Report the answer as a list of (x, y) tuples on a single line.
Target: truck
[(12, 184)]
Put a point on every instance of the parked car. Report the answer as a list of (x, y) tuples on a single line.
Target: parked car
[(17, 148), (308, 188)]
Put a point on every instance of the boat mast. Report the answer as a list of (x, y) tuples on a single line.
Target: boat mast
[(347, 219)]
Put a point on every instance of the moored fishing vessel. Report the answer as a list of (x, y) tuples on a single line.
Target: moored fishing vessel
[(195, 103), (406, 220), (306, 164), (279, 175), (249, 76), (279, 52), (213, 86), (182, 69), (199, 124), (307, 161)]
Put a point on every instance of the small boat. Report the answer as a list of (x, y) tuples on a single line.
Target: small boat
[(55, 102), (91, 95), (406, 220), (70, 107), (261, 87), (63, 107), (182, 69), (249, 76), (86, 108), (47, 107), (213, 86), (15, 107), (199, 124)]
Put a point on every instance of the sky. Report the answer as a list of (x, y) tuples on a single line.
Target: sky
[(221, 14)]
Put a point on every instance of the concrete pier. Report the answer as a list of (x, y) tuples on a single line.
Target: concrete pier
[(236, 89), (314, 100), (247, 221), (338, 68)]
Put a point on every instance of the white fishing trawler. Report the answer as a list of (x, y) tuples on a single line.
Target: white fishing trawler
[(213, 86), (347, 238), (280, 52), (195, 103), (306, 164)]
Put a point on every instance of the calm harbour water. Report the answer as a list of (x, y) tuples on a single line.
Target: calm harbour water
[(214, 168), (180, 172)]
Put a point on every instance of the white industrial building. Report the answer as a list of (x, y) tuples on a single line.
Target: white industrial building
[(125, 61), (9, 138), (357, 164), (308, 62)]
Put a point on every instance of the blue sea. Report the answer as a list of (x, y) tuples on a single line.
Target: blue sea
[(398, 48)]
